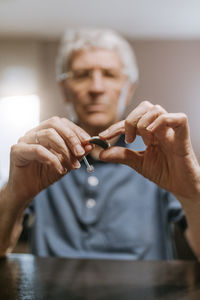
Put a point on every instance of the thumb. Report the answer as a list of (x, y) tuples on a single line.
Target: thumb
[(123, 155)]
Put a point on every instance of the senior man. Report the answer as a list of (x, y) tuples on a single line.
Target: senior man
[(114, 212)]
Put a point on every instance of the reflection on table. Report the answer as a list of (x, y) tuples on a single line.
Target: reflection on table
[(26, 277)]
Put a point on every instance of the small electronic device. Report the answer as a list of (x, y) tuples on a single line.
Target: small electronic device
[(96, 140)]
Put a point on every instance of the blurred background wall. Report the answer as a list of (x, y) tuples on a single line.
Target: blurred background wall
[(168, 53), (169, 75)]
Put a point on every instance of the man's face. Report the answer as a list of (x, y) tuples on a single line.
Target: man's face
[(94, 87)]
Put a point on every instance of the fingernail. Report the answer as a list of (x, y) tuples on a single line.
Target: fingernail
[(128, 140), (79, 150), (63, 170), (76, 165)]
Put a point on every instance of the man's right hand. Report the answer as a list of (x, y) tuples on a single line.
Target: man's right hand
[(43, 155)]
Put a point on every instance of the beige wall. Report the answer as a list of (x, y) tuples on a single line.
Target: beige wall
[(16, 54), (169, 75)]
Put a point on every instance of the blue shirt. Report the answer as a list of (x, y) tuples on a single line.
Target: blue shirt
[(112, 213)]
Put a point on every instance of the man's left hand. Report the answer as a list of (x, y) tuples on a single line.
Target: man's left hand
[(169, 159)]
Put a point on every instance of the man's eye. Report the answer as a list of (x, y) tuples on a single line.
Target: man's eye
[(82, 74), (110, 74)]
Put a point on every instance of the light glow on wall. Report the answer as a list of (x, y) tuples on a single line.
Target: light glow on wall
[(17, 115)]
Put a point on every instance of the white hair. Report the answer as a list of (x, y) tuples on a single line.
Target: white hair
[(80, 39)]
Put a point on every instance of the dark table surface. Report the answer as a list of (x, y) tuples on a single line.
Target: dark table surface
[(26, 277)]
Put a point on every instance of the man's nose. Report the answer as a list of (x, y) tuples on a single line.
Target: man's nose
[(96, 83)]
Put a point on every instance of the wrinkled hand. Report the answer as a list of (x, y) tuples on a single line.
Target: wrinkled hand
[(44, 154), (169, 159)]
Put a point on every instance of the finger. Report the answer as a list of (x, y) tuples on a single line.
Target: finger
[(177, 121), (88, 148), (146, 120), (70, 137), (113, 131), (50, 139), (82, 134), (123, 155), (23, 154), (129, 125), (133, 118), (173, 130), (65, 130)]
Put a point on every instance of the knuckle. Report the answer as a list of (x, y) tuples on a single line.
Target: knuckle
[(146, 103), (13, 151), (183, 117), (72, 138), (50, 132), (70, 135), (38, 150), (64, 120), (13, 148), (54, 120), (158, 108), (20, 140)]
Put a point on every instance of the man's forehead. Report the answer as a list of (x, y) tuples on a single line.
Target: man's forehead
[(96, 58)]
